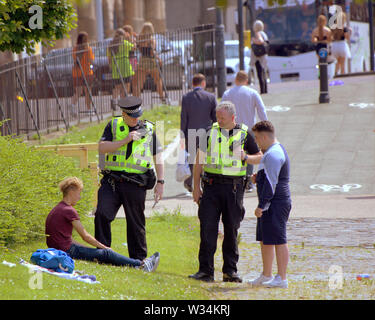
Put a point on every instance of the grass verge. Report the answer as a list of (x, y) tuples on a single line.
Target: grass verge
[(176, 237)]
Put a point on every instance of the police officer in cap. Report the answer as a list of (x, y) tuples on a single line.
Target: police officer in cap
[(221, 164), (131, 151)]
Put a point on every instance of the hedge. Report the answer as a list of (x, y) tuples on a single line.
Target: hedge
[(29, 181)]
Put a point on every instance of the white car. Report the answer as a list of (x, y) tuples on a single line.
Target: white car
[(232, 62)]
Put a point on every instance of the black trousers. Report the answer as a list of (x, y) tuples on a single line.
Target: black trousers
[(226, 201), (261, 73), (133, 198)]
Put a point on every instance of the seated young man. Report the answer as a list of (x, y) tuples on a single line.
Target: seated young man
[(63, 218)]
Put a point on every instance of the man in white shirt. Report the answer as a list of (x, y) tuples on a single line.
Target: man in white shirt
[(248, 103)]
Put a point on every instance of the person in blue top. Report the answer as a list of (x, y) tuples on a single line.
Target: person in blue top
[(274, 205)]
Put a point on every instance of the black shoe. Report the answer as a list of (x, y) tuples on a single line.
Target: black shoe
[(202, 276), (188, 187), (232, 277), (249, 190)]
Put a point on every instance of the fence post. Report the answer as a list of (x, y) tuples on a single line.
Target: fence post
[(220, 54), (94, 171)]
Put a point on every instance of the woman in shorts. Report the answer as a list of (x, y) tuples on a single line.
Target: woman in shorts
[(340, 48)]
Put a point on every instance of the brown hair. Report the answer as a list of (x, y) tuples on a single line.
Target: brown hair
[(242, 76), (128, 28), (81, 44), (198, 78), (118, 39), (82, 38), (263, 126), (69, 184)]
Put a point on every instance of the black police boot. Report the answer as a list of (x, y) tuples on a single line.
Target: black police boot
[(202, 276), (231, 277)]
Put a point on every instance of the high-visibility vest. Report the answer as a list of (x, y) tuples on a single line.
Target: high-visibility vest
[(140, 159), (224, 154)]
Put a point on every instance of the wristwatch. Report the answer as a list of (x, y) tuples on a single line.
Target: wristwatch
[(245, 157), (160, 181)]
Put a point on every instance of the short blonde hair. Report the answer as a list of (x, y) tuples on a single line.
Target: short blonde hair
[(147, 28), (242, 76), (258, 26), (70, 183)]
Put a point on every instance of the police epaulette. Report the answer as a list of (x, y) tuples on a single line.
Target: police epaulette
[(149, 121)]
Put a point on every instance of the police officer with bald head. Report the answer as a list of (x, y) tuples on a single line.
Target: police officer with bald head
[(221, 163), (131, 152)]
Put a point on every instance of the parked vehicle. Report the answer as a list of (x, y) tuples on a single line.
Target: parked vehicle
[(59, 63), (207, 64)]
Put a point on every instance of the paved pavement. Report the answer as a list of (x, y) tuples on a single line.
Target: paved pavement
[(331, 148)]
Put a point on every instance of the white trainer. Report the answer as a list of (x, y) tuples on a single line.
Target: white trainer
[(150, 264), (276, 282), (259, 281)]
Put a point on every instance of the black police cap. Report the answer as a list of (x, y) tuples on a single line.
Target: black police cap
[(131, 106)]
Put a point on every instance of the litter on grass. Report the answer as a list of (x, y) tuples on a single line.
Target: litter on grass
[(71, 276)]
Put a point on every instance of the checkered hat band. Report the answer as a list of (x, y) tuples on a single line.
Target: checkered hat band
[(133, 111)]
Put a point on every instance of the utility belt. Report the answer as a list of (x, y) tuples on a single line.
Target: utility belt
[(145, 180), (219, 179)]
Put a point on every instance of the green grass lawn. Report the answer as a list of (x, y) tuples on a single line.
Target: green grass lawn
[(176, 238)]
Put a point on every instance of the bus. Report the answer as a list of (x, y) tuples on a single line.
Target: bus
[(289, 25)]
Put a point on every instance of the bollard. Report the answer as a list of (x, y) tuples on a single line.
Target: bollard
[(323, 71)]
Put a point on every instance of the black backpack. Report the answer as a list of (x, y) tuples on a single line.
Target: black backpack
[(260, 49)]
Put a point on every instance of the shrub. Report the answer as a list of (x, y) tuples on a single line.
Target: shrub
[(29, 181)]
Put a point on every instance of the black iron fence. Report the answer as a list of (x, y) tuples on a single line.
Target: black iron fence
[(47, 92)]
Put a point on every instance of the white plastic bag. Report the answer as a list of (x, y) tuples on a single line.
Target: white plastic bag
[(182, 170)]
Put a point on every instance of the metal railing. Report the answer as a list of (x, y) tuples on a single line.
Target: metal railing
[(64, 87)]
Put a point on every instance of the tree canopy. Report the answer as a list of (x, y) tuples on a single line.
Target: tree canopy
[(23, 23)]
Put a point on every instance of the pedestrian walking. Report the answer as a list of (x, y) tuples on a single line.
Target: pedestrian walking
[(63, 218), (340, 48), (149, 62), (83, 58), (118, 54), (131, 150), (321, 36), (274, 205), (198, 112), (258, 57), (133, 39), (221, 165), (248, 104)]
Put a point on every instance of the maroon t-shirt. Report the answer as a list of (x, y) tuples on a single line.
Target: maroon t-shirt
[(59, 226)]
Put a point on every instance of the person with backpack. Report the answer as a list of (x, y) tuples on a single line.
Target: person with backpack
[(63, 218), (83, 57), (118, 54)]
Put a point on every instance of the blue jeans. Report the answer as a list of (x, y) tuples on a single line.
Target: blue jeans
[(101, 255)]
